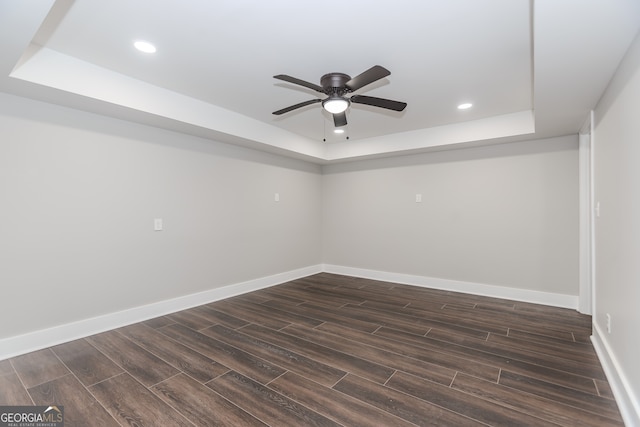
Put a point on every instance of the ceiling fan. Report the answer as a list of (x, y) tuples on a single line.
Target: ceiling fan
[(336, 86)]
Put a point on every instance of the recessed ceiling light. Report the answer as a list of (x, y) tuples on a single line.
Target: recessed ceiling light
[(465, 106), (144, 46), (338, 131)]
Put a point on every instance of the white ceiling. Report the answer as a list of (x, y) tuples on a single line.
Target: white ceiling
[(532, 69)]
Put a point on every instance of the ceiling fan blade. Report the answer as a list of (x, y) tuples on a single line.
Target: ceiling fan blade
[(371, 75), (293, 80), (340, 119), (379, 102), (296, 106)]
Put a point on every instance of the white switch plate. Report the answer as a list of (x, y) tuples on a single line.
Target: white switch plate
[(276, 197), (418, 198), (157, 224)]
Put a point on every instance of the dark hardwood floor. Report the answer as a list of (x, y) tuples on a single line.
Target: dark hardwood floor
[(328, 350)]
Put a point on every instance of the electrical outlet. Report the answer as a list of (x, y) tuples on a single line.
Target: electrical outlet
[(608, 323)]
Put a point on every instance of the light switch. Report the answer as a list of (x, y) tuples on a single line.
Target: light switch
[(157, 224), (276, 197), (418, 198)]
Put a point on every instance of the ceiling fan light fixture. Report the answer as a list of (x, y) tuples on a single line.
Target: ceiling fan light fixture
[(335, 104)]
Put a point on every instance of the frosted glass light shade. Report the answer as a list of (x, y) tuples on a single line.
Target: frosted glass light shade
[(335, 105)]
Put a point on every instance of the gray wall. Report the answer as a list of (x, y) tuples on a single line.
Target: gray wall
[(616, 153), (503, 215), (79, 193)]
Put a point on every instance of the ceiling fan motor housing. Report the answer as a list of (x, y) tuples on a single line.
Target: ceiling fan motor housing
[(335, 83)]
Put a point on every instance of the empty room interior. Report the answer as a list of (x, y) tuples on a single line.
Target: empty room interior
[(323, 213)]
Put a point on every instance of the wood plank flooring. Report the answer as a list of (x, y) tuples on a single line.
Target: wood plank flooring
[(328, 350)]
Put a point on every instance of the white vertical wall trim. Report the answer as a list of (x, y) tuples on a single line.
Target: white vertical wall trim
[(585, 301), (592, 221), (627, 403), (21, 344), (525, 295)]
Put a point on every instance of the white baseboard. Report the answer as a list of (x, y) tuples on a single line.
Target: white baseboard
[(32, 341), (525, 295), (627, 403), (36, 340)]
